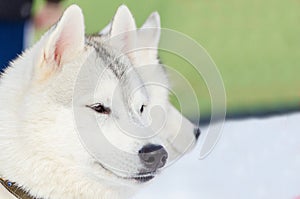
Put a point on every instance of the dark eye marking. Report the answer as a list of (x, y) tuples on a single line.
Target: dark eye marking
[(142, 108), (99, 108)]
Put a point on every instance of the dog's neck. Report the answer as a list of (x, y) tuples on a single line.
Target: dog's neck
[(15, 190)]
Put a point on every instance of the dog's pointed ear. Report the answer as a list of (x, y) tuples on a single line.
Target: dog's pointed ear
[(149, 33), (148, 37), (66, 39), (122, 34)]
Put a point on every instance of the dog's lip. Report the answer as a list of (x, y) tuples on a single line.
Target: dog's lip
[(141, 177), (145, 176)]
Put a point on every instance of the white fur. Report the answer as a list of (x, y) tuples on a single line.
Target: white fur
[(39, 144)]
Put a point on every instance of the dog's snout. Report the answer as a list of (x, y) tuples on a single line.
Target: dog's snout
[(153, 156), (197, 132)]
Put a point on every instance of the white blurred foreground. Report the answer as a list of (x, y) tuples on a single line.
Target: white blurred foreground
[(254, 159)]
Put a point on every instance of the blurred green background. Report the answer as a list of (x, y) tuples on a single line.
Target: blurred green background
[(255, 44)]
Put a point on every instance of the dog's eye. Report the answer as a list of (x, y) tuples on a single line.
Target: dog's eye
[(100, 108), (142, 108)]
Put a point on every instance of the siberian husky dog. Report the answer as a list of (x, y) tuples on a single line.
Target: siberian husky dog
[(49, 149)]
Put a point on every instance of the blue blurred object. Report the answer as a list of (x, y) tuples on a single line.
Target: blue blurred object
[(11, 41)]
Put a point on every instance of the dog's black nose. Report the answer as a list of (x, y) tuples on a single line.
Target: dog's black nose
[(153, 156), (197, 132)]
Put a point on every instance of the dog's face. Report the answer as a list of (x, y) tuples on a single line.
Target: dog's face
[(110, 85)]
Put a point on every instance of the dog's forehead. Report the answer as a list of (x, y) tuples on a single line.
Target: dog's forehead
[(113, 60)]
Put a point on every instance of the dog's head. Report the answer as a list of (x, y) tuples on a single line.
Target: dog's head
[(77, 88)]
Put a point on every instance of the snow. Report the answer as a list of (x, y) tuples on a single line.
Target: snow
[(254, 158)]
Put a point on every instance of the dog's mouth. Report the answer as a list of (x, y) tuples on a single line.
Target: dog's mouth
[(141, 177)]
